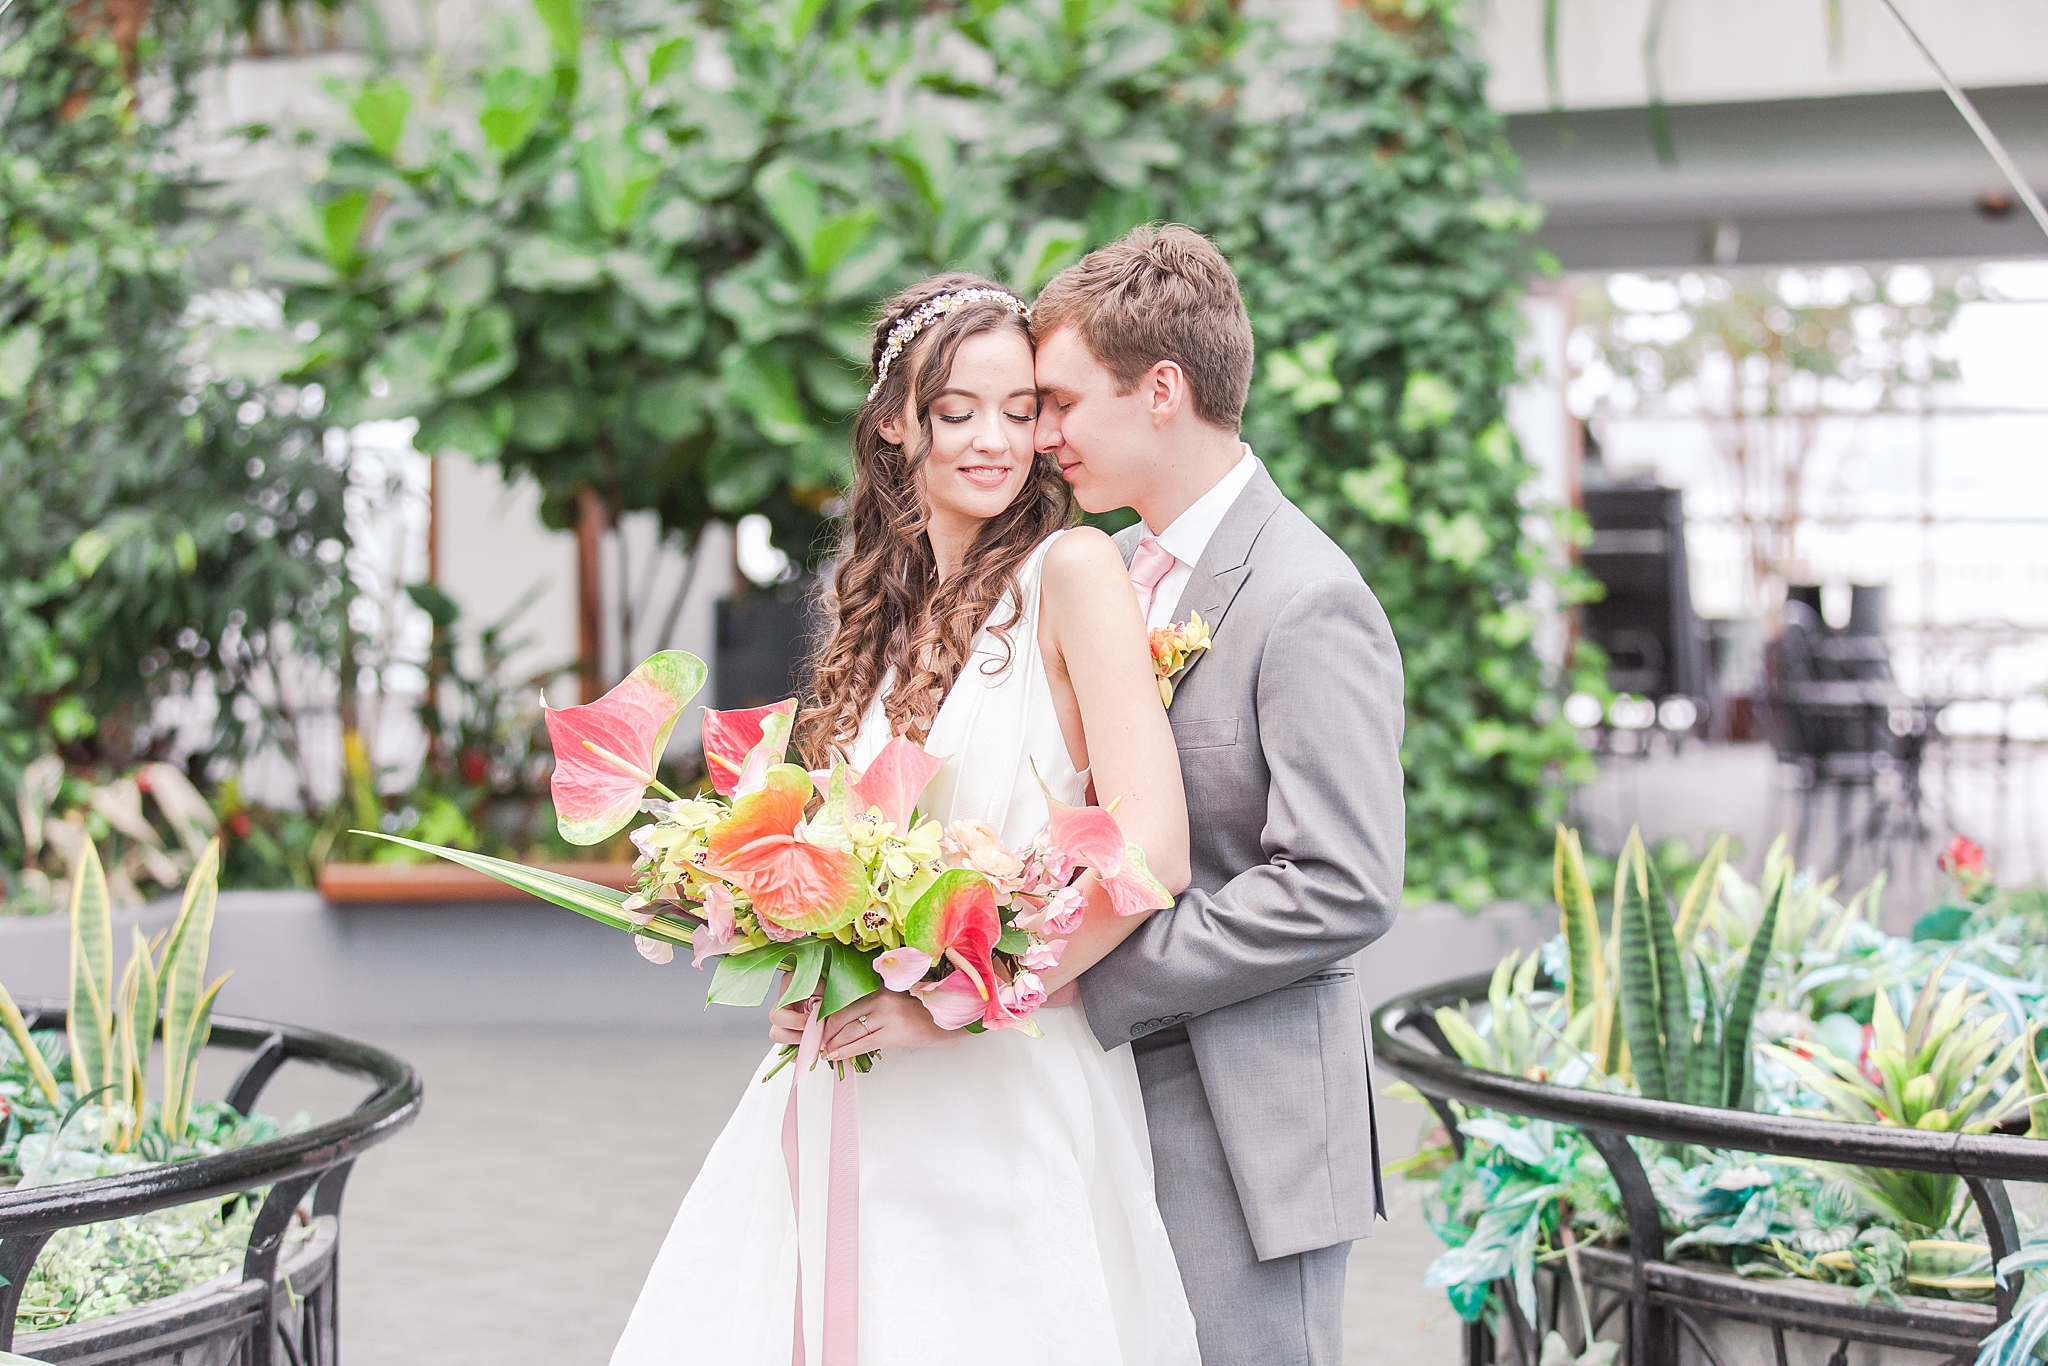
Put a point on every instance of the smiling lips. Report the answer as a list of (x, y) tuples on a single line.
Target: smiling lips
[(984, 476)]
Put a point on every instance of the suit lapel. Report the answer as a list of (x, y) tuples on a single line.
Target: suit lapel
[(1226, 560)]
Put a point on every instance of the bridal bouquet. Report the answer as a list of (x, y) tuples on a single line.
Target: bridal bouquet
[(834, 876)]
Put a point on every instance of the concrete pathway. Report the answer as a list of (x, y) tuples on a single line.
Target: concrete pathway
[(514, 1221)]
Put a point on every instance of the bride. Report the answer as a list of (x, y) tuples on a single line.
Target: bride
[(1006, 1202)]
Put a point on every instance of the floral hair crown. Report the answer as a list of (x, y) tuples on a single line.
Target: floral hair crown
[(930, 311)]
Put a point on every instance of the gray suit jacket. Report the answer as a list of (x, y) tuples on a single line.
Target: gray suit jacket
[(1289, 731)]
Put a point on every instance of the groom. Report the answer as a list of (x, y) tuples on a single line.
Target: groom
[(1240, 1003)]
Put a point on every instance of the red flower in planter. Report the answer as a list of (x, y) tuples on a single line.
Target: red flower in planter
[(606, 751), (1963, 859)]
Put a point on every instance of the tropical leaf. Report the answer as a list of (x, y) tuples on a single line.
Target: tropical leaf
[(1642, 1015), (90, 1025), (849, 975), (1737, 1064), (1580, 921), (804, 972), (570, 893), (1701, 895), (181, 985), (38, 1066), (743, 979)]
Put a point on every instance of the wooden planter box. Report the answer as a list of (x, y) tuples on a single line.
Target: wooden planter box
[(414, 883)]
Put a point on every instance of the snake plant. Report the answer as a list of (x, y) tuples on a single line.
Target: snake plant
[(1641, 978), (112, 1029)]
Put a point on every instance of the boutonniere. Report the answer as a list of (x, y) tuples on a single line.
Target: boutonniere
[(1174, 648)]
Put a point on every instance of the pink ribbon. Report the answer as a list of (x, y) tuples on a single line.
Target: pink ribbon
[(841, 1345)]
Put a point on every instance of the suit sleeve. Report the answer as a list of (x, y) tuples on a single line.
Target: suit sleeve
[(1329, 706)]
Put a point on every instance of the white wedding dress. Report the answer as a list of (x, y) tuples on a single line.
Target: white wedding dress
[(1006, 1208)]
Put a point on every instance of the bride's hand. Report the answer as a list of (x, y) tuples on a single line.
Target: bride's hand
[(887, 1019)]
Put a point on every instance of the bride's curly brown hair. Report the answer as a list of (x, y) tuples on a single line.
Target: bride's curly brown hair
[(895, 620)]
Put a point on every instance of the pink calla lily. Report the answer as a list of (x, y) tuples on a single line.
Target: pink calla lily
[(801, 887), (954, 1002), (1090, 837), (902, 969), (895, 780), (730, 736), (606, 751)]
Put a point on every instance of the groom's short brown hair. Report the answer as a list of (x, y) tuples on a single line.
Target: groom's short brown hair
[(1163, 292)]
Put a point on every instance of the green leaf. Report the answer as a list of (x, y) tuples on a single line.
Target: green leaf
[(849, 975), (838, 236), (541, 419), (743, 979), (1426, 403), (570, 893), (671, 408), (477, 428), (20, 352), (665, 56), (467, 282), (1050, 247), (1380, 491), (616, 176), (760, 384), (548, 264), (804, 18), (1014, 941), (792, 199), (649, 286), (380, 108), (1305, 374), (89, 551), (90, 1025), (805, 970), (485, 354), (1737, 1065), (564, 21), (514, 100), (1641, 1006), (341, 223)]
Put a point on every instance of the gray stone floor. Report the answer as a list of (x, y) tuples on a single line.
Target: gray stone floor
[(514, 1221)]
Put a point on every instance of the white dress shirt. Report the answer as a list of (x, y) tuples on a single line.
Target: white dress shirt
[(1189, 534)]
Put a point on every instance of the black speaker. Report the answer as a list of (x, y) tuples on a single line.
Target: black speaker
[(1645, 623)]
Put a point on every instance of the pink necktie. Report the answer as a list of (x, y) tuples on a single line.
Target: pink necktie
[(1151, 564)]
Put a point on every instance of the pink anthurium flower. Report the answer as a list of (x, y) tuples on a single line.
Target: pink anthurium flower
[(606, 751), (956, 920), (715, 934), (1090, 837), (954, 1002), (895, 780), (902, 969), (802, 887), (730, 736)]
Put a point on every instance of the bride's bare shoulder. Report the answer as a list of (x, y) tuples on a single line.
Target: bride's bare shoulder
[(1083, 560)]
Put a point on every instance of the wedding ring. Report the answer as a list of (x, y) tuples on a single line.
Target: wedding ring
[(865, 1027)]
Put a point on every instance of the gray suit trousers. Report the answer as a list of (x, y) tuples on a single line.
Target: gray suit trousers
[(1288, 1311)]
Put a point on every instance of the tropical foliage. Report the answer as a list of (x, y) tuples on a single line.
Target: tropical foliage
[(1380, 240), (1821, 1012), (74, 1106), (162, 530), (636, 260)]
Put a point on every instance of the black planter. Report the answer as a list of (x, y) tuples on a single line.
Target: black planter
[(765, 638), (281, 1309), (1672, 1312)]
